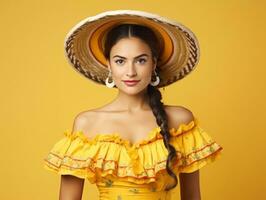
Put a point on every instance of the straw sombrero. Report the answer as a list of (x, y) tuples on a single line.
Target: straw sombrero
[(84, 45)]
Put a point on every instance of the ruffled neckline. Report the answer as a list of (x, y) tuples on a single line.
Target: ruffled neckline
[(116, 137)]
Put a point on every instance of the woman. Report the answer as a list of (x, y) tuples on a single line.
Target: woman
[(134, 146)]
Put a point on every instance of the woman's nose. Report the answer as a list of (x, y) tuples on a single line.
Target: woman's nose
[(131, 70)]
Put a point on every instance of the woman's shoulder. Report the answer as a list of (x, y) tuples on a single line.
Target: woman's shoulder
[(178, 114), (84, 119), (91, 121)]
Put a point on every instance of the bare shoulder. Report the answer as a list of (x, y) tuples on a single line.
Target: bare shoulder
[(83, 120), (178, 115)]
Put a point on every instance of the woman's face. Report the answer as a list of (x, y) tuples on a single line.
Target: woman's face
[(131, 59)]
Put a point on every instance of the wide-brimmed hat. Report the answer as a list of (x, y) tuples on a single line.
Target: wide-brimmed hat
[(85, 41)]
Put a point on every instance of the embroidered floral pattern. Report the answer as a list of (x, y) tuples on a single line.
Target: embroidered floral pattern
[(109, 183), (153, 189), (134, 190)]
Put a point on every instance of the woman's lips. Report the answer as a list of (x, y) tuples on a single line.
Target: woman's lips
[(131, 83)]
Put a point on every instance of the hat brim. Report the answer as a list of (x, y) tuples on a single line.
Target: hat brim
[(84, 44)]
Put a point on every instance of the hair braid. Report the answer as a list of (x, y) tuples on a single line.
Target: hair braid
[(161, 118)]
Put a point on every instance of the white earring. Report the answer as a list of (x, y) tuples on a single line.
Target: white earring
[(157, 81), (111, 84)]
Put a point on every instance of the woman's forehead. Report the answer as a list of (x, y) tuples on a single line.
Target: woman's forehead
[(130, 47)]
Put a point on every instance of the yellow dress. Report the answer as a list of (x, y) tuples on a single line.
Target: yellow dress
[(125, 171)]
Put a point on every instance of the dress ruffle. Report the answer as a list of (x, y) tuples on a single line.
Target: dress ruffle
[(140, 163)]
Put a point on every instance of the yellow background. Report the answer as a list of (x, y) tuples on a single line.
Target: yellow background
[(41, 93)]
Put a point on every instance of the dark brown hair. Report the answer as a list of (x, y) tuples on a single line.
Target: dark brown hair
[(147, 35)]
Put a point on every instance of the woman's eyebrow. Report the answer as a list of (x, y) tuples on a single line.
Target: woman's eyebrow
[(144, 54)]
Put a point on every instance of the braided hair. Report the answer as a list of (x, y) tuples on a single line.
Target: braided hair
[(154, 94)]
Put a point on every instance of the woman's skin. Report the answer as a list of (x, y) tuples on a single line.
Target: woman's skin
[(127, 112)]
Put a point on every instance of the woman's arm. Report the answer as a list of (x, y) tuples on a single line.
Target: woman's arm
[(71, 188), (190, 186)]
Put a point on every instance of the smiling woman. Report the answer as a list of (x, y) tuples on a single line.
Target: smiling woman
[(130, 70), (135, 144), (142, 59)]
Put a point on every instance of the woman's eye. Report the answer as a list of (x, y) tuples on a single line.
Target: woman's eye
[(118, 61), (142, 59)]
